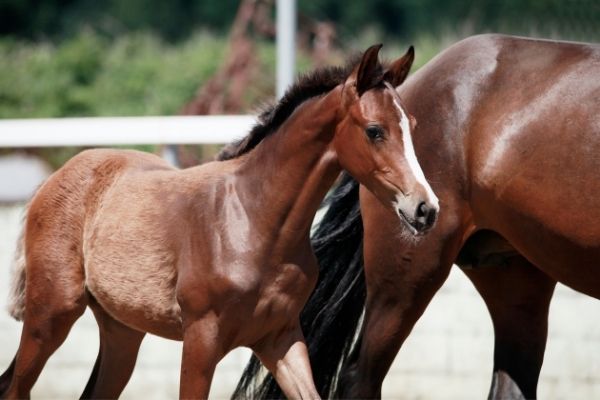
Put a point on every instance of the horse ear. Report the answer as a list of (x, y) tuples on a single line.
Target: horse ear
[(367, 73), (398, 71)]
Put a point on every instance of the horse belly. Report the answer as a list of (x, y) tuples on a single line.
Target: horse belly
[(140, 293), (131, 270), (550, 221), (559, 256)]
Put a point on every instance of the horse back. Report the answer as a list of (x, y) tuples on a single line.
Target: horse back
[(74, 191)]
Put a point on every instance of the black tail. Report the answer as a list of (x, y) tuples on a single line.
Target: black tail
[(332, 315)]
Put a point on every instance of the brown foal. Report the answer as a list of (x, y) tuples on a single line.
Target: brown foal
[(219, 255)]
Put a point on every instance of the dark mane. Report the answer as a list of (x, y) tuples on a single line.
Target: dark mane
[(315, 83)]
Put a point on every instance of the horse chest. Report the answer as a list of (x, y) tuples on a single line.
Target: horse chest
[(251, 298), (255, 286)]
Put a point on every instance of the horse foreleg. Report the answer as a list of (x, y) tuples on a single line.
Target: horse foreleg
[(517, 296), (201, 353), (391, 313), (119, 346), (285, 355), (401, 276)]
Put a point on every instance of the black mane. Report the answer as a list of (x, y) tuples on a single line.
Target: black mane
[(315, 83)]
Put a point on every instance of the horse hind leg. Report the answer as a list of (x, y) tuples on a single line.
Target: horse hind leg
[(119, 346), (518, 296), (44, 330), (54, 299)]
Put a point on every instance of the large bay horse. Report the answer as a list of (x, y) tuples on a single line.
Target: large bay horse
[(218, 256), (508, 135)]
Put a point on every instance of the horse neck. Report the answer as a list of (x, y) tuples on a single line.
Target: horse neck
[(285, 178)]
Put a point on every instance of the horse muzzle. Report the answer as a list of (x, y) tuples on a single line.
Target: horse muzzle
[(418, 218)]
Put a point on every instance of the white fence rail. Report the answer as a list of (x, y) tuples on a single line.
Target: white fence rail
[(110, 131)]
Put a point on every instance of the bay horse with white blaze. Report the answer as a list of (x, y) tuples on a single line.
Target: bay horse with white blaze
[(219, 255), (508, 135)]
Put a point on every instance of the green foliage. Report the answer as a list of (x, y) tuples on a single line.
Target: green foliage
[(149, 77), (58, 19), (175, 20), (409, 19), (142, 57), (137, 74)]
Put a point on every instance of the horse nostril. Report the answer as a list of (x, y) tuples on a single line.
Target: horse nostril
[(422, 210), (431, 217), (425, 216)]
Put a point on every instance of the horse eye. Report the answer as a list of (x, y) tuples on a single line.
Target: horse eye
[(374, 132)]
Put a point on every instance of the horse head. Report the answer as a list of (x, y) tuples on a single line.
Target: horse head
[(373, 140)]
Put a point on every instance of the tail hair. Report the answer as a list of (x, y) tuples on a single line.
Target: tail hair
[(16, 296), (332, 316)]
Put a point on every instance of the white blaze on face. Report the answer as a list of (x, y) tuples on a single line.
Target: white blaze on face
[(409, 153)]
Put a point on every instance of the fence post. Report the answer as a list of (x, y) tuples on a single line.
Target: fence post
[(286, 44)]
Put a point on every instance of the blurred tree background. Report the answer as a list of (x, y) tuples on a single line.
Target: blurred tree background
[(140, 57), (150, 57), (176, 20)]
